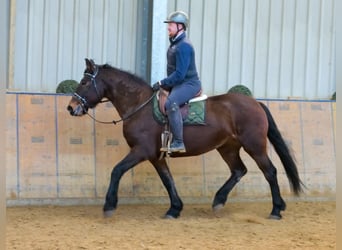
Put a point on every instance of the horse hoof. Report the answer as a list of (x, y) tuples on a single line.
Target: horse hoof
[(169, 217), (274, 217), (108, 213), (217, 208)]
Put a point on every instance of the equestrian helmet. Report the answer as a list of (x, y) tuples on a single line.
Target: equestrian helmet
[(178, 17)]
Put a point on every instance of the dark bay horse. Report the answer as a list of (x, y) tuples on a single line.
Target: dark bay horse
[(233, 121)]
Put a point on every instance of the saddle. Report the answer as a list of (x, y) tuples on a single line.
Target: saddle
[(193, 113), (163, 94)]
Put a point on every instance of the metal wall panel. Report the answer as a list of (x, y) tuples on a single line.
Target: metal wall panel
[(52, 38), (277, 48)]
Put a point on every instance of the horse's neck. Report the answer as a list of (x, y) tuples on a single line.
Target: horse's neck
[(126, 98)]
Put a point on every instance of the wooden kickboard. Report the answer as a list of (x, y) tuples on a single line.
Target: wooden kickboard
[(76, 159), (146, 181), (333, 108), (188, 173), (216, 173), (37, 146), (287, 117), (51, 154), (318, 144), (11, 147), (110, 149)]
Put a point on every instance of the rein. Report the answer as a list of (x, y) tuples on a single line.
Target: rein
[(126, 116), (83, 101)]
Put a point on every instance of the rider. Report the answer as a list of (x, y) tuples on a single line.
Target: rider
[(182, 78)]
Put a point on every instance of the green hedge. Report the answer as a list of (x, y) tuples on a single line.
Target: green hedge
[(240, 89), (333, 97), (67, 86)]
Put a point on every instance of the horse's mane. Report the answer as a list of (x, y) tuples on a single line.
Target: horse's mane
[(127, 74)]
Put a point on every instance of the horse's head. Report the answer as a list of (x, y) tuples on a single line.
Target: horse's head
[(89, 92)]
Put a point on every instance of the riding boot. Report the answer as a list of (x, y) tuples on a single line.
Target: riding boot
[(176, 126)]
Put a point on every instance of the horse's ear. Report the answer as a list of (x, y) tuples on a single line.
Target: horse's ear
[(90, 64)]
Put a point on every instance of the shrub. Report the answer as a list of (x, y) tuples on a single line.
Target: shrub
[(333, 97), (240, 89), (67, 86)]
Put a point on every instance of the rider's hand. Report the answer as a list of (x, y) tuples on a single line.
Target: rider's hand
[(156, 86), (163, 86)]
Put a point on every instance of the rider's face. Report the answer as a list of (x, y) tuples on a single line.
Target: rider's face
[(172, 29)]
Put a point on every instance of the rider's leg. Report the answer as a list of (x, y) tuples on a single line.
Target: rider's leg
[(179, 95), (176, 126)]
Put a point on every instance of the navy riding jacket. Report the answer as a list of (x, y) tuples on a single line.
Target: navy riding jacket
[(181, 67)]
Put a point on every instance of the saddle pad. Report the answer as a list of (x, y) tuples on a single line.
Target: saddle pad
[(193, 113)]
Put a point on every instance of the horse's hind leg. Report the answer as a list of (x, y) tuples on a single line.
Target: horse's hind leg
[(166, 177), (270, 173), (237, 169)]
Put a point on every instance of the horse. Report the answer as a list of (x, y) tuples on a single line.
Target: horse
[(232, 121)]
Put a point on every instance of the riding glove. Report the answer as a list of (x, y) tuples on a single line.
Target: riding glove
[(156, 86)]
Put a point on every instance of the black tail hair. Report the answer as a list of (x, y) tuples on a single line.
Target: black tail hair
[(283, 152)]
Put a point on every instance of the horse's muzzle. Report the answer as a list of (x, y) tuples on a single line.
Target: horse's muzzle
[(77, 111)]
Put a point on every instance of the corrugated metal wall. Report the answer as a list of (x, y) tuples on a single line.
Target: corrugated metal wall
[(52, 38), (278, 48)]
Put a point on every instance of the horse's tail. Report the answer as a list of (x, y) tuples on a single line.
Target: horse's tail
[(283, 152)]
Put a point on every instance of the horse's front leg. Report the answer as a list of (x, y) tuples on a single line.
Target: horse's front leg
[(167, 179), (118, 171)]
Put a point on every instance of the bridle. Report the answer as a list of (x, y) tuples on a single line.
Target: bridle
[(84, 104), (93, 81), (81, 99)]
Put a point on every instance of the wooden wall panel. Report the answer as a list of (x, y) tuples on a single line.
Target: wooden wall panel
[(76, 158), (287, 116), (253, 184), (37, 146), (51, 154), (216, 172), (110, 149), (318, 146), (188, 174), (333, 107), (146, 182), (11, 147)]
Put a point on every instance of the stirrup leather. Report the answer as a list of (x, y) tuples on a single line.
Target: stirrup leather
[(166, 138)]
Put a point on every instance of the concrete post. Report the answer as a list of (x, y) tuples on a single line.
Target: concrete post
[(159, 41), (4, 41)]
